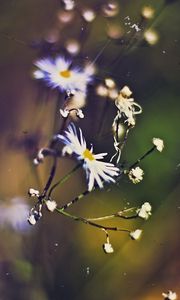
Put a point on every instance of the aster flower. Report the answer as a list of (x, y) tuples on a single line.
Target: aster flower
[(158, 143), (169, 295), (96, 171), (136, 175), (58, 73), (145, 211)]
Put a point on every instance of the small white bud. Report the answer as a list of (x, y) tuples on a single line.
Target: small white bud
[(80, 114), (169, 295), (107, 247), (66, 151), (145, 211), (51, 205), (158, 143), (136, 175), (126, 92), (33, 193), (135, 235), (64, 113), (32, 220)]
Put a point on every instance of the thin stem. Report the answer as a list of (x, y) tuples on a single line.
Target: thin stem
[(142, 157), (115, 215), (102, 118), (75, 200), (63, 179), (50, 179), (86, 221)]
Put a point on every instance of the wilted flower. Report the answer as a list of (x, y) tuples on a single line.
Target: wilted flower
[(145, 211), (96, 171), (51, 205), (158, 143), (136, 175), (58, 73), (107, 247), (169, 295), (135, 235), (127, 106)]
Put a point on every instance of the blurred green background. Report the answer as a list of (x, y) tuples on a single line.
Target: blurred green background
[(59, 259)]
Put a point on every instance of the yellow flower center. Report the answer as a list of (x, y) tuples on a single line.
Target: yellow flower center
[(87, 154), (65, 73)]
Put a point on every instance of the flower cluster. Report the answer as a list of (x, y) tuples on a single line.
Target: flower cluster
[(71, 78)]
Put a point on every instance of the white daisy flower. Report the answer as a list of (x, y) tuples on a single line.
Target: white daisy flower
[(59, 74), (158, 143), (96, 171), (107, 247), (135, 235), (145, 211), (169, 295), (136, 175)]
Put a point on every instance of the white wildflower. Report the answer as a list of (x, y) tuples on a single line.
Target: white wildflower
[(135, 235), (145, 211), (96, 171), (107, 247), (136, 175), (58, 73), (169, 295), (158, 143)]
